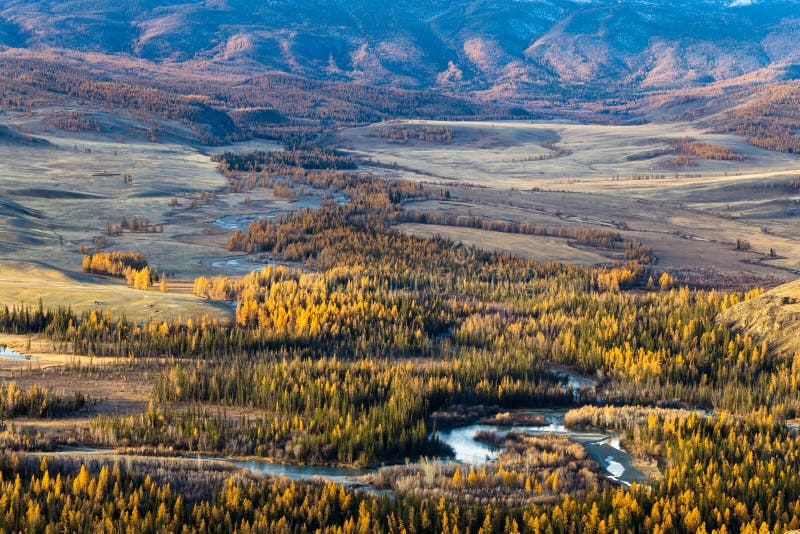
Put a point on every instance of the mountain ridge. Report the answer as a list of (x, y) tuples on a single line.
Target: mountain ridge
[(483, 48)]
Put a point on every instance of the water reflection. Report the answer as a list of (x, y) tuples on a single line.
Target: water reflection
[(603, 448)]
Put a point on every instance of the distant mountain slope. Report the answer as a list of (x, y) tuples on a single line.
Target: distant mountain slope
[(181, 102), (771, 119), (492, 48)]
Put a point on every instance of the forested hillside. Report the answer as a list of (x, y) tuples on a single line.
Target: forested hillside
[(509, 50)]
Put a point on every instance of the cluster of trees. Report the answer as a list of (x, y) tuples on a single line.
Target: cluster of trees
[(623, 276), (686, 151), (257, 162), (541, 157), (790, 186), (557, 150), (307, 416), (689, 147), (366, 410), (593, 237), (619, 417), (194, 202), (216, 288), (529, 469), (342, 309), (139, 278), (720, 474), (678, 162), (138, 225), (307, 168), (637, 252), (282, 191), (132, 266), (668, 343), (427, 134), (118, 264), (26, 319), (74, 121), (36, 402)]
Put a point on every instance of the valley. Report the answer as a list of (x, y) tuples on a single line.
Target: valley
[(672, 211), (530, 337), (399, 268), (66, 193)]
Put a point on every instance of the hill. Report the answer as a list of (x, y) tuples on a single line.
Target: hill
[(772, 317)]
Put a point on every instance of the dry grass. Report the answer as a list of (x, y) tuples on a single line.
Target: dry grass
[(692, 223), (696, 244), (539, 248), (109, 386), (773, 317), (609, 181), (494, 153), (59, 197), (27, 283)]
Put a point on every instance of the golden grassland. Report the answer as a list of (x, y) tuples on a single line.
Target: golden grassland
[(772, 317), (28, 283)]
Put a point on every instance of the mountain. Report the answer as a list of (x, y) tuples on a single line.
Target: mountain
[(514, 50)]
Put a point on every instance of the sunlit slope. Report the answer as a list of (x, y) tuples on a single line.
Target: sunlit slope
[(773, 317)]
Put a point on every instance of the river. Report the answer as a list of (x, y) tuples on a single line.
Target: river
[(242, 221), (603, 448), (241, 265), (5, 352), (340, 475)]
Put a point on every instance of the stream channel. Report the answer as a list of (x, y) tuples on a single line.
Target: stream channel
[(603, 447)]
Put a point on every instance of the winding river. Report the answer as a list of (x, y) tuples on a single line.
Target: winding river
[(603, 448), (242, 221), (240, 265)]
